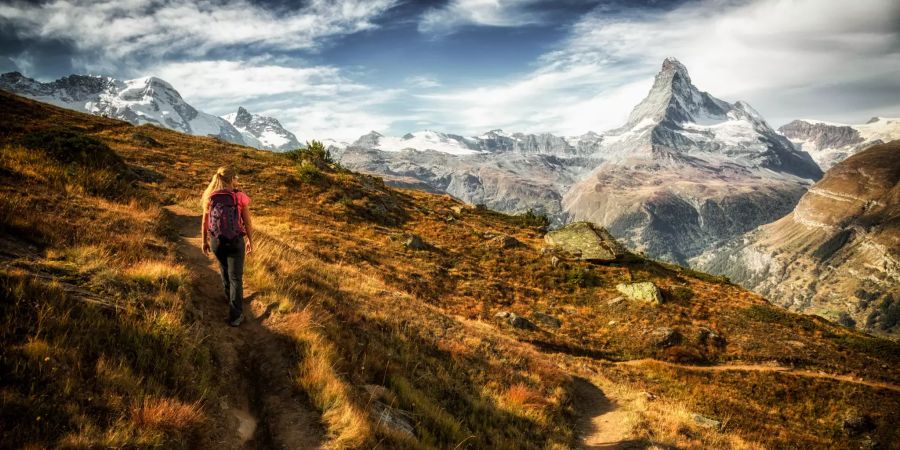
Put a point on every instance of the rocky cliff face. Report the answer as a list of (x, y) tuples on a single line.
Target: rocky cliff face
[(510, 181), (262, 132), (506, 172), (837, 254), (688, 171), (831, 143)]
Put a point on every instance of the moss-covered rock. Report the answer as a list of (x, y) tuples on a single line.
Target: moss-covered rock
[(587, 241)]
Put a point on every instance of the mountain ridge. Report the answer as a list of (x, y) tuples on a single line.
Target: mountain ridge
[(836, 253), (830, 143)]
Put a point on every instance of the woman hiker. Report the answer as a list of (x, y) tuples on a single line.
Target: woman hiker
[(226, 220)]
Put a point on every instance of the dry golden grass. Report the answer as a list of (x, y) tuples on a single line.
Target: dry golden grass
[(166, 414)]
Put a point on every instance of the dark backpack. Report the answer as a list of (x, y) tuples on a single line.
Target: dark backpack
[(224, 215)]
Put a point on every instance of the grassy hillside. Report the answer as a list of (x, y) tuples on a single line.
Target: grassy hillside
[(111, 335)]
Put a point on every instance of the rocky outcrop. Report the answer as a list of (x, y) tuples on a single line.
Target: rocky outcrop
[(837, 254), (586, 241), (644, 291), (821, 135)]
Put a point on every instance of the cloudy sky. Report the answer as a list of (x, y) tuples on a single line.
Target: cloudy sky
[(339, 68)]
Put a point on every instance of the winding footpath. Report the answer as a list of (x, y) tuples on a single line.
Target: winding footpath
[(258, 404)]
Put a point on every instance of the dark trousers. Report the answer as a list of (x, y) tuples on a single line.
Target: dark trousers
[(231, 266)]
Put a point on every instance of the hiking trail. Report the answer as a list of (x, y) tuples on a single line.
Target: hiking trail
[(766, 368), (258, 405), (602, 423)]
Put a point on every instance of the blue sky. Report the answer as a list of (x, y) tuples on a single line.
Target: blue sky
[(339, 68)]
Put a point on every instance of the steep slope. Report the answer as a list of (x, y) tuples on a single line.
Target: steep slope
[(830, 143), (111, 337), (688, 171), (262, 132), (838, 253), (139, 101)]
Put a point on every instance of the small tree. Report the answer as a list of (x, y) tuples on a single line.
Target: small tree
[(314, 152)]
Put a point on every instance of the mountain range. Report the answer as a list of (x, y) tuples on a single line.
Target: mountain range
[(829, 143), (388, 318), (150, 100)]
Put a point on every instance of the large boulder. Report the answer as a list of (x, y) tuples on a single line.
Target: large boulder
[(587, 241), (644, 291)]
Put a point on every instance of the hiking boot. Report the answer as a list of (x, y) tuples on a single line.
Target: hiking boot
[(237, 321)]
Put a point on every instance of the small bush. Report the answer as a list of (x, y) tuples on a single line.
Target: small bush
[(532, 219), (581, 277), (314, 152), (309, 173)]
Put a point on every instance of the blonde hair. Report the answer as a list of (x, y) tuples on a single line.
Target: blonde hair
[(222, 179)]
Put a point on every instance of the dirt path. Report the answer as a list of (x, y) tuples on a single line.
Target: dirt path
[(258, 405), (602, 424), (766, 368)]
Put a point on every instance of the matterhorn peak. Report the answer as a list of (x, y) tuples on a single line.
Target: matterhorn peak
[(674, 98), (672, 65)]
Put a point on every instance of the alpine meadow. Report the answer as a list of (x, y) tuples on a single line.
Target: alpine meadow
[(461, 224)]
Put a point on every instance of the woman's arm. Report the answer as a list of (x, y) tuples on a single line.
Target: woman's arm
[(248, 227)]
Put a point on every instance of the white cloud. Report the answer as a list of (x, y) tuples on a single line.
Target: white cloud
[(236, 81), (787, 58), (121, 28), (422, 81), (315, 102), (496, 13)]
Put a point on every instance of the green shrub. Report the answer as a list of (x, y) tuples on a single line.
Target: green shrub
[(532, 219), (309, 172), (581, 277), (314, 152)]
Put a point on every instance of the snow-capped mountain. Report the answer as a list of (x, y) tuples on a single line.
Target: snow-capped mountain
[(688, 170), (512, 172), (830, 143), (494, 141), (421, 141), (139, 101), (262, 131)]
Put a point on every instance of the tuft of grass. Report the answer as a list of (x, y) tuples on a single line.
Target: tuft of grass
[(166, 414), (345, 420), (160, 274)]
